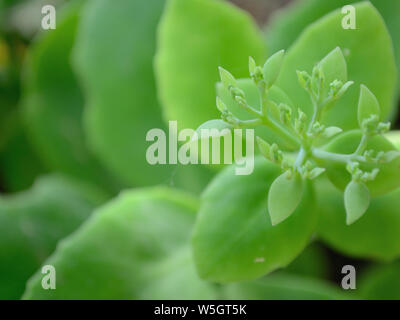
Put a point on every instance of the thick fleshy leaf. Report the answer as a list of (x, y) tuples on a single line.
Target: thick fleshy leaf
[(132, 248), (374, 236), (356, 201), (196, 37), (284, 196), (369, 56), (333, 67), (272, 67), (31, 224), (287, 24), (53, 103), (119, 43), (388, 178), (368, 105), (284, 287), (381, 282), (233, 237)]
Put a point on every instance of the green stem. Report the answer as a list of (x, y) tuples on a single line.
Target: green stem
[(300, 158), (363, 145), (249, 123), (344, 158), (292, 140)]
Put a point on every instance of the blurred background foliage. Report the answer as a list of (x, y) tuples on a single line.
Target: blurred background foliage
[(75, 105)]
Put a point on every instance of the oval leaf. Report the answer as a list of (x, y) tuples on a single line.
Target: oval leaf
[(53, 103), (369, 56), (287, 24), (283, 287), (367, 105), (374, 236), (32, 223), (125, 55), (234, 239), (194, 38), (356, 201), (272, 67), (284, 196), (333, 67), (134, 247)]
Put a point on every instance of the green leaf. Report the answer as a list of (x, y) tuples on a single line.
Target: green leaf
[(32, 223), (369, 45), (283, 287), (284, 197), (194, 38), (252, 66), (356, 201), (368, 105), (388, 178), (234, 239), (264, 147), (287, 24), (221, 106), (119, 42), (331, 132), (272, 67), (333, 67), (374, 236), (122, 55), (134, 247), (53, 102), (227, 79)]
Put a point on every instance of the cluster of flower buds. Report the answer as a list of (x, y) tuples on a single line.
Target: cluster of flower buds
[(310, 171), (359, 175)]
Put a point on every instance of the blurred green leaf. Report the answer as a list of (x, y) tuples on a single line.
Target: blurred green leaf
[(284, 196), (32, 222), (356, 201), (369, 56), (53, 103), (368, 105), (284, 287), (114, 58), (233, 238), (287, 24), (132, 248), (375, 236), (194, 38)]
